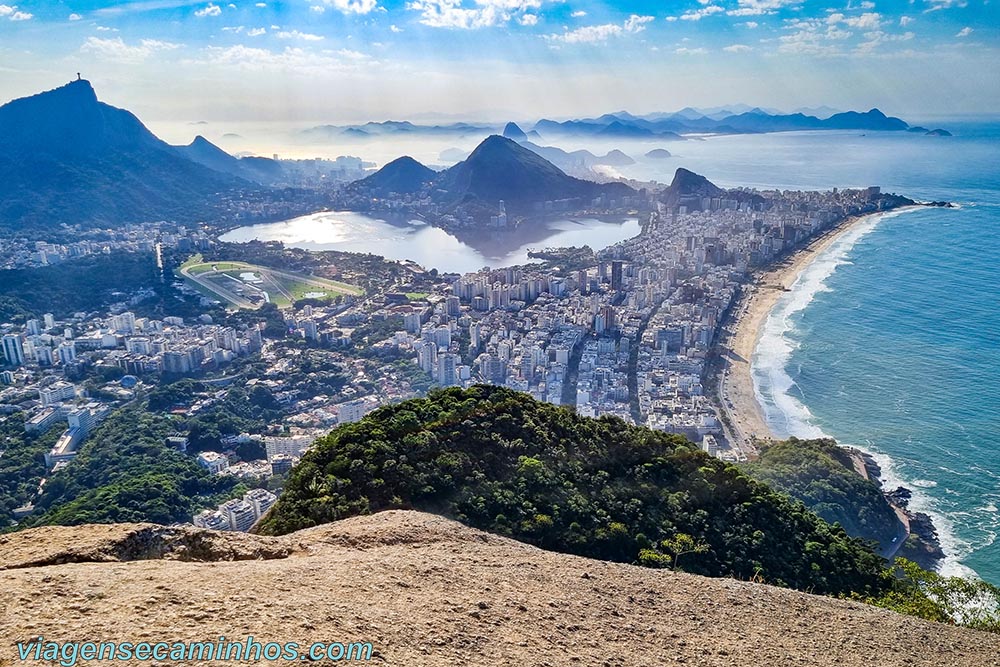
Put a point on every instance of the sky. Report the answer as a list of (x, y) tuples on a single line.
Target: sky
[(302, 61)]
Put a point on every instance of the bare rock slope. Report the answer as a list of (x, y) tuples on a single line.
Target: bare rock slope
[(428, 591)]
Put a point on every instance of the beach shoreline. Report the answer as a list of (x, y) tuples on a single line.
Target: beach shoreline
[(742, 415)]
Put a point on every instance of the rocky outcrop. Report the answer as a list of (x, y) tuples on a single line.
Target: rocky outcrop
[(426, 591)]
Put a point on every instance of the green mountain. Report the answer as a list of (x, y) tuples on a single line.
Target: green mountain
[(66, 157), (821, 474), (498, 460), (402, 175)]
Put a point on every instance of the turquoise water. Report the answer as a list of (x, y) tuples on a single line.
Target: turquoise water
[(891, 339)]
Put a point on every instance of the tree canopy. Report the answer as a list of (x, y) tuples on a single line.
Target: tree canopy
[(497, 459)]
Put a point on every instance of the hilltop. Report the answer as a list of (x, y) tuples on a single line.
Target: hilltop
[(429, 592), (402, 175), (500, 168), (498, 460)]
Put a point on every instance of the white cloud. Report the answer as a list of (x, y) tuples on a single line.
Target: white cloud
[(116, 50), (938, 5), (698, 14), (292, 60), (261, 4), (486, 13), (295, 34), (867, 5), (209, 10), (233, 28), (11, 13), (685, 51), (737, 48), (964, 32), (352, 55), (867, 21), (256, 32), (905, 21), (395, 28), (601, 33), (529, 20), (353, 6), (636, 23), (75, 17), (758, 7), (319, 9), (751, 24), (671, 19), (588, 34), (877, 37), (578, 14)]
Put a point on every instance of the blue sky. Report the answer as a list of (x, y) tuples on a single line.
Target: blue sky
[(351, 59)]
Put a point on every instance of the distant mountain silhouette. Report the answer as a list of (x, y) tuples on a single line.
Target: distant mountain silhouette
[(256, 169), (502, 169), (658, 153), (615, 158), (402, 175), (871, 120), (65, 157), (688, 120), (514, 133)]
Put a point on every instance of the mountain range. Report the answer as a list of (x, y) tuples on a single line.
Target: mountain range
[(66, 157), (689, 121), (734, 119)]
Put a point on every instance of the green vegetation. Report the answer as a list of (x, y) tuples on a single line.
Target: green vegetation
[(917, 592), (125, 472), (821, 474), (498, 460), (85, 284), (22, 462)]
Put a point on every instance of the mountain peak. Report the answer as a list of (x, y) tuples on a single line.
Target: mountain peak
[(514, 133), (402, 175), (79, 90)]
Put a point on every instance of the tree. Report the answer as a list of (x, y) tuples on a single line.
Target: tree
[(681, 544)]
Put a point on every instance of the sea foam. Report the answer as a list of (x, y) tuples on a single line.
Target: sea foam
[(787, 415)]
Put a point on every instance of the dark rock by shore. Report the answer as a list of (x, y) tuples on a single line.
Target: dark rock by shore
[(923, 546)]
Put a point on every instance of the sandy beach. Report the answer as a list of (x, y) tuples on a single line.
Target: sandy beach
[(745, 417)]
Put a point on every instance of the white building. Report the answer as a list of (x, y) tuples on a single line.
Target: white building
[(214, 462)]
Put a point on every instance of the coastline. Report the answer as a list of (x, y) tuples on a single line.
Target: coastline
[(742, 415)]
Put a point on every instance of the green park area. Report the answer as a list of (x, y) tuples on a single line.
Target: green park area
[(250, 286)]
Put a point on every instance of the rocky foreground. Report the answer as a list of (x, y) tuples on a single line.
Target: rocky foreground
[(428, 591)]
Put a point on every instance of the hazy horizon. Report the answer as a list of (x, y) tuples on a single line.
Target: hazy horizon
[(302, 61)]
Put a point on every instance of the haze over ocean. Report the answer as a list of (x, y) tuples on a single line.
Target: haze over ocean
[(891, 339)]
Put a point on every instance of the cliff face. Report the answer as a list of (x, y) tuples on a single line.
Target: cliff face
[(426, 591)]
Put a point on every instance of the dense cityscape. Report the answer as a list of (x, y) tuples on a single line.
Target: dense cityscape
[(629, 331)]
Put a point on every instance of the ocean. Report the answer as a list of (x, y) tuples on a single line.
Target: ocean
[(890, 340)]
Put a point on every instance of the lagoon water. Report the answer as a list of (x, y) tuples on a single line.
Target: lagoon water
[(891, 341), (429, 246)]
